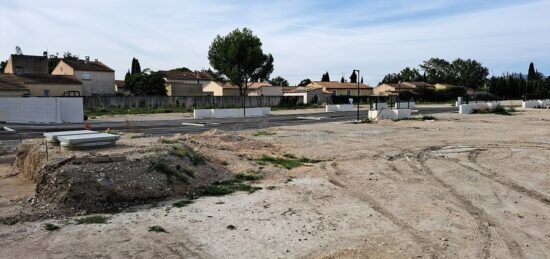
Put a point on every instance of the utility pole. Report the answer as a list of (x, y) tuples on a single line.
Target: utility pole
[(358, 92)]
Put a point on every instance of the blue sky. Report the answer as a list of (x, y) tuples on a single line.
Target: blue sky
[(306, 38)]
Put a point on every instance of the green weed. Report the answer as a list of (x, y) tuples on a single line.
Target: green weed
[(97, 219), (51, 227), (288, 161)]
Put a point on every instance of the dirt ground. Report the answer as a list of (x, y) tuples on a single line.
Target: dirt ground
[(463, 186)]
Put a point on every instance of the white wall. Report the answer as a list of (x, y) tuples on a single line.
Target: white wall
[(340, 108), (230, 113), (387, 114), (30, 110), (536, 104), (470, 107)]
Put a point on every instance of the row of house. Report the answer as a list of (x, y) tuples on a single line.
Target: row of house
[(26, 75)]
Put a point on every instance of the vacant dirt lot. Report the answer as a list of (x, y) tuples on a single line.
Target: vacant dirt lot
[(475, 186)]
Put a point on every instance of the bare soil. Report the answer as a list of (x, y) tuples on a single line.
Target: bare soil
[(463, 186)]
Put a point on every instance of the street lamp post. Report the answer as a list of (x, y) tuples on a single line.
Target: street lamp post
[(398, 95), (358, 92)]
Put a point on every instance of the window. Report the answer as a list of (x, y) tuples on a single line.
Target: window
[(349, 92), (46, 93), (86, 76), (18, 70)]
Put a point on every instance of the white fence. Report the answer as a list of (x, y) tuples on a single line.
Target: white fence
[(33, 110), (230, 113), (536, 104), (340, 108)]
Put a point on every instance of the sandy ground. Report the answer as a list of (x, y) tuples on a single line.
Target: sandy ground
[(472, 186)]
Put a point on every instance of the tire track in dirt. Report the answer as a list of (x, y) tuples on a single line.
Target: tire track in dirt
[(509, 184), (485, 221), (491, 175), (426, 245)]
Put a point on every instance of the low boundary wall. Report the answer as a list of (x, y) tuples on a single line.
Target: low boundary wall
[(340, 108), (192, 102), (470, 107), (532, 104), (41, 110), (230, 113), (389, 114)]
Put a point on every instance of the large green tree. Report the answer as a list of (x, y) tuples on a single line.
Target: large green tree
[(305, 82), (146, 83), (278, 81), (438, 71), (136, 67), (468, 73), (239, 57), (406, 75)]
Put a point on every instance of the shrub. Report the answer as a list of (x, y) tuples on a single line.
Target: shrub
[(157, 229), (51, 227), (288, 161), (98, 219), (228, 187), (182, 203), (250, 176)]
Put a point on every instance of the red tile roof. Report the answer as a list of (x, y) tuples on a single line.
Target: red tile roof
[(82, 65), (338, 85), (181, 75), (11, 82), (302, 89)]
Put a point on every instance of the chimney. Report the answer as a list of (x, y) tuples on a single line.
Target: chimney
[(45, 54), (96, 60), (87, 59)]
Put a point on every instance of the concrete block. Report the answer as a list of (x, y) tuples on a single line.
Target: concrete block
[(340, 108), (53, 136), (400, 114)]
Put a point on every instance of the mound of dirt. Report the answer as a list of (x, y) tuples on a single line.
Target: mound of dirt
[(106, 185), (30, 158)]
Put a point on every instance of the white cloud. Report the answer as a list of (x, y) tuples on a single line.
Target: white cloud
[(307, 38)]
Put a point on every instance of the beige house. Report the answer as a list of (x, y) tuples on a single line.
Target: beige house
[(39, 85), (25, 64), (343, 89), (393, 89), (96, 77), (264, 89), (180, 83), (311, 94), (28, 76), (446, 86), (221, 89)]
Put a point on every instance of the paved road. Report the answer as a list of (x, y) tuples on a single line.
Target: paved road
[(169, 127)]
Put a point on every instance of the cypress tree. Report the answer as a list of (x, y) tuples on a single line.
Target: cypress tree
[(342, 80), (136, 68), (361, 80), (353, 78), (532, 74)]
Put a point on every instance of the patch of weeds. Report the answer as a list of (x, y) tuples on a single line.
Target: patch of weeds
[(9, 221), (427, 118), (138, 136), (496, 110), (157, 229), (189, 172), (178, 151), (263, 133), (161, 165), (195, 157), (271, 187), (168, 141), (51, 227), (228, 187), (182, 203), (225, 163), (288, 161), (97, 219), (250, 176)]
